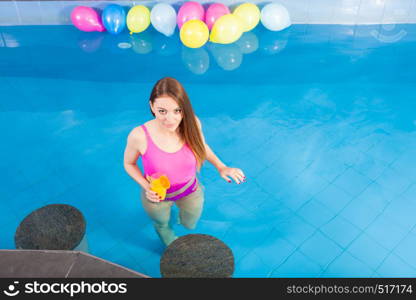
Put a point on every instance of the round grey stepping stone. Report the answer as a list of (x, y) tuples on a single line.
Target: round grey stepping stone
[(197, 256), (52, 227)]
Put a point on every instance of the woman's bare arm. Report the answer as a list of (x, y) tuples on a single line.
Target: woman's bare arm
[(131, 155)]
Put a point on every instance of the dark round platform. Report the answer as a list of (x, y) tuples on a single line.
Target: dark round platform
[(197, 256), (52, 227)]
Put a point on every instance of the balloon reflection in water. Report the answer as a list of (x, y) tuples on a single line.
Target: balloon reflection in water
[(273, 42), (166, 46), (229, 57), (196, 60), (142, 43), (90, 42), (117, 44), (248, 42)]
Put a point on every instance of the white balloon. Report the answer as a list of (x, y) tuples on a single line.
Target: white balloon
[(163, 18), (275, 17)]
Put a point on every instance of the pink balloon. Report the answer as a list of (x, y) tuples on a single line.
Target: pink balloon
[(86, 19), (213, 13), (190, 11)]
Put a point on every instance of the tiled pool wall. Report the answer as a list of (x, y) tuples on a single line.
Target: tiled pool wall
[(348, 12)]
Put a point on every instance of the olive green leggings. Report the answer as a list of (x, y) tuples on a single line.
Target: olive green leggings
[(190, 209)]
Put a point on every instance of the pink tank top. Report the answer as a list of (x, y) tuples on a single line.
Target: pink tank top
[(180, 167)]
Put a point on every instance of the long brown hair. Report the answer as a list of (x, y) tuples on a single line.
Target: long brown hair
[(188, 128)]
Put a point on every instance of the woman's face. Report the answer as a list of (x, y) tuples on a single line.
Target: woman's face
[(167, 112)]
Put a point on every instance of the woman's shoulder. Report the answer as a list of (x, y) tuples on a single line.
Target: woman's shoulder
[(137, 134), (198, 122)]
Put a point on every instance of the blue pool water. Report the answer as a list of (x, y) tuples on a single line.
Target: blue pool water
[(319, 117)]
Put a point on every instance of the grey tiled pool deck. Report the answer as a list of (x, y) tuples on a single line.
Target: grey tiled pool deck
[(59, 264)]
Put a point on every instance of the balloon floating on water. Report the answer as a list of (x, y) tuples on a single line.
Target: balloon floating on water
[(190, 11), (86, 19), (194, 33), (163, 18), (226, 30), (138, 18), (214, 12), (217, 24), (275, 17), (249, 14), (114, 18)]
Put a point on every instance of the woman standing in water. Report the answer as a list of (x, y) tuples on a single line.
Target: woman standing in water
[(172, 144)]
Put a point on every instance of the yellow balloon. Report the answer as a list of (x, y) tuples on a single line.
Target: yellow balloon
[(194, 33), (138, 18), (249, 13), (226, 30)]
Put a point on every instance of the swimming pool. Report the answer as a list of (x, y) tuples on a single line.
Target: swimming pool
[(319, 117)]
